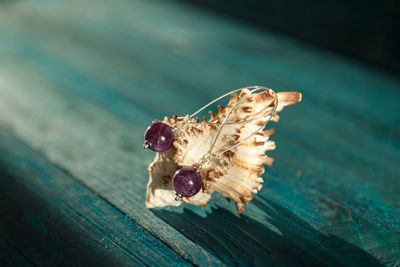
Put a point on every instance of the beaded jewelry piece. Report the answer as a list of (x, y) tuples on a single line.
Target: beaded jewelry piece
[(224, 134)]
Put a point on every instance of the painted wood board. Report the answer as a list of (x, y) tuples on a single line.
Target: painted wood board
[(80, 92), (51, 219)]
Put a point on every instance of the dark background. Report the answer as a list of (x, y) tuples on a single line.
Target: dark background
[(366, 30)]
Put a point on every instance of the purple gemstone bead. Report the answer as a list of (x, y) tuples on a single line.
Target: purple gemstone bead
[(159, 136), (187, 182)]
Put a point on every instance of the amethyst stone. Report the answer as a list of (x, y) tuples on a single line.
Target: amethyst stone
[(159, 137), (187, 182)]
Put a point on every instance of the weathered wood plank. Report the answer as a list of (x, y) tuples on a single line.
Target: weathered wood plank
[(82, 91), (56, 221)]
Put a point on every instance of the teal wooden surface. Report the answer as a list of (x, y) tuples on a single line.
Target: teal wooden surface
[(43, 203), (81, 80)]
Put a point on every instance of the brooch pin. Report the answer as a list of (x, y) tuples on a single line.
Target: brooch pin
[(224, 153)]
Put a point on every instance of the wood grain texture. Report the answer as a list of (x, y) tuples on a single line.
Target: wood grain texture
[(54, 220), (81, 80)]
